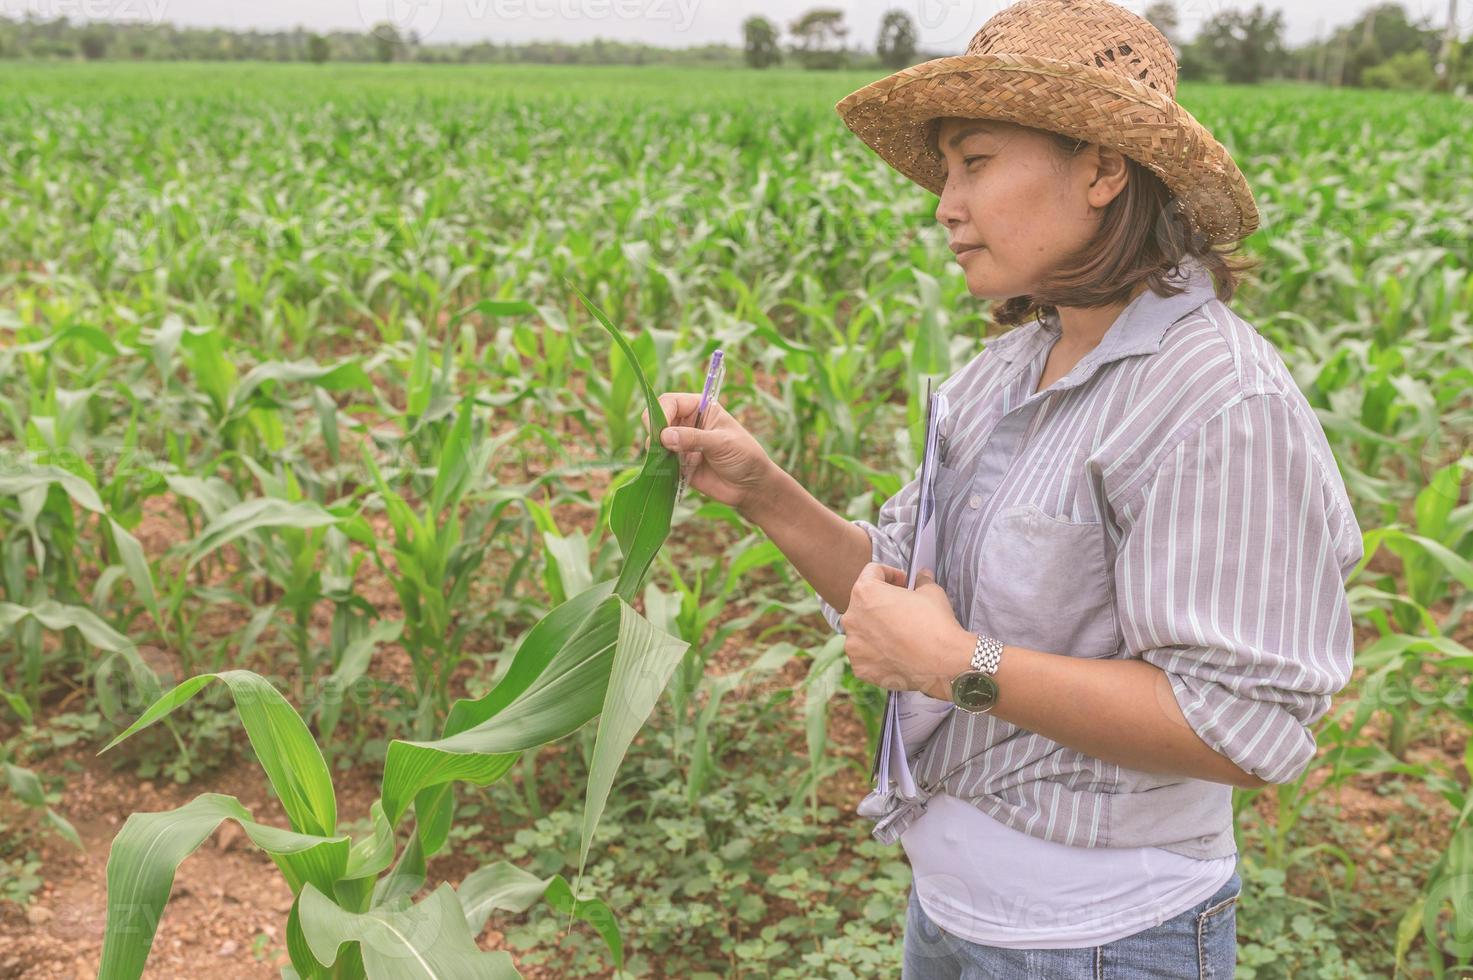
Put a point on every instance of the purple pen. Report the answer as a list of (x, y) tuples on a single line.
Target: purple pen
[(714, 373)]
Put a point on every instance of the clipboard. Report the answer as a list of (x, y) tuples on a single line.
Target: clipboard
[(911, 716)]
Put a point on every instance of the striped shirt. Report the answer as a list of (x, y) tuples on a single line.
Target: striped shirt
[(1172, 498)]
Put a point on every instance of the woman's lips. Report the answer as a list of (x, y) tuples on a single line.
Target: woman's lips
[(962, 255)]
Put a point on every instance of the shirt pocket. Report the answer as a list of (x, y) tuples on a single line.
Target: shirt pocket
[(1044, 583)]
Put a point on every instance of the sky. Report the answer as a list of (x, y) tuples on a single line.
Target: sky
[(945, 25)]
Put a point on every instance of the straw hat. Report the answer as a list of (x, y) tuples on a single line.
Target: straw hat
[(1087, 69)]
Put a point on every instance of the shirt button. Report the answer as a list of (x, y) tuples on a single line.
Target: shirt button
[(975, 502)]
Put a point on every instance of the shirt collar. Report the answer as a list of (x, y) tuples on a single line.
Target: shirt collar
[(1139, 329)]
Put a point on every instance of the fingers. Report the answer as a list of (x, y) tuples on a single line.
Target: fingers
[(687, 439), (678, 406), (882, 573)]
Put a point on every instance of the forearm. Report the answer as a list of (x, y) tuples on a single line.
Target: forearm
[(1120, 711), (827, 550)]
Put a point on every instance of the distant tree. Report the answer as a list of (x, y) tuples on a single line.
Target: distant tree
[(1162, 14), (94, 43), (1194, 62), (820, 36), (759, 42), (317, 50), (897, 44), (386, 40), (1382, 33), (1244, 43)]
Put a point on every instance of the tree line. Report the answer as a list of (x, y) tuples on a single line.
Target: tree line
[(1385, 47)]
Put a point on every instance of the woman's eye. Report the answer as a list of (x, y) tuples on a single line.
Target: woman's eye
[(966, 163)]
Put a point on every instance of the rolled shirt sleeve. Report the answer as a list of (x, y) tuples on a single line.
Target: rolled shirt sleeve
[(890, 539), (1230, 577)]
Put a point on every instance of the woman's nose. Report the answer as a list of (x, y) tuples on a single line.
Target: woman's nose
[(948, 209)]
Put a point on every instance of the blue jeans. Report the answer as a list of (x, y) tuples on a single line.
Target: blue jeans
[(1198, 944)]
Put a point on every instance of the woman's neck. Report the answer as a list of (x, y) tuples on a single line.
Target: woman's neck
[(1082, 328)]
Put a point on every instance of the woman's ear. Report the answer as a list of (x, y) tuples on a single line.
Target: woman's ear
[(1109, 177)]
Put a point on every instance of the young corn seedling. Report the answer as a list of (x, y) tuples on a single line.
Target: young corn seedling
[(435, 558), (354, 914)]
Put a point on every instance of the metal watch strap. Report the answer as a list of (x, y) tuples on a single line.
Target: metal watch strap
[(987, 654)]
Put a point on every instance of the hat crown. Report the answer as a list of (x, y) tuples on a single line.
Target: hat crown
[(1096, 33)]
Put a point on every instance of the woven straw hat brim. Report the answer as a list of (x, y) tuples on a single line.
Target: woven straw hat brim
[(1073, 99)]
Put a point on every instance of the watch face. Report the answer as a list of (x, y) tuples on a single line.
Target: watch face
[(974, 691)]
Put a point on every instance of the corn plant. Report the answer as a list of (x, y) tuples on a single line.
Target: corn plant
[(24, 784), (690, 612), (45, 535), (437, 552), (353, 915)]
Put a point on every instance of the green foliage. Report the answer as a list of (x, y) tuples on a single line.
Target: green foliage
[(1409, 69), (1283, 935), (271, 411), (735, 877)]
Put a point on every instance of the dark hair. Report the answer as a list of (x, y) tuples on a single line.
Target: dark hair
[(1142, 238)]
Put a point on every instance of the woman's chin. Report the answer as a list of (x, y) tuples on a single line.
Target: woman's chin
[(981, 287), (982, 283)]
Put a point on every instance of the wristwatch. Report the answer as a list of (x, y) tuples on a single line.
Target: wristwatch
[(975, 689)]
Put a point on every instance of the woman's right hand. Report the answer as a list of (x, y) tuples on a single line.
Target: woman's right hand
[(726, 463)]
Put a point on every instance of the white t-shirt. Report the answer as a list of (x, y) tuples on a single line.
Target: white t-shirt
[(980, 879)]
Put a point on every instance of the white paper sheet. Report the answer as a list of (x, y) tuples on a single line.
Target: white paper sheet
[(911, 717)]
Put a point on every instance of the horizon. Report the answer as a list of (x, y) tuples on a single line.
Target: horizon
[(943, 26)]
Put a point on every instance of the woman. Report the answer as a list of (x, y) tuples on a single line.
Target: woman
[(1143, 535)]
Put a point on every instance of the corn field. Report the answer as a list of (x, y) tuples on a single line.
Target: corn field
[(320, 423)]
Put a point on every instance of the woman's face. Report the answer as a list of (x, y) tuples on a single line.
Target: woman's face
[(1018, 195)]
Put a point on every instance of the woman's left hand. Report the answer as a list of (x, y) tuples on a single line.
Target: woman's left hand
[(901, 639)]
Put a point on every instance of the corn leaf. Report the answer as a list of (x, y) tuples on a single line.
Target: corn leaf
[(282, 742), (640, 515), (428, 941), (149, 849), (563, 696), (505, 887), (254, 514), (644, 659), (538, 648), (334, 377), (58, 616)]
